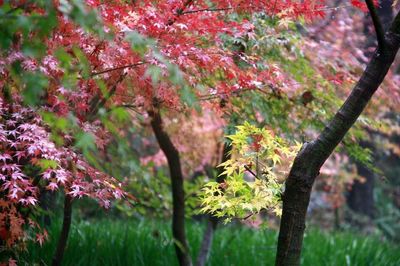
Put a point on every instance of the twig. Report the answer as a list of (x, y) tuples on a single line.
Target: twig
[(118, 68), (179, 12), (248, 216), (207, 9), (250, 171)]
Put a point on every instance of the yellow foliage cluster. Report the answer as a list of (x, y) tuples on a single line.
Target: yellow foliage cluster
[(252, 174)]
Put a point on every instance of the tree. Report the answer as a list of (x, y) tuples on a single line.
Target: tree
[(42, 149), (178, 216), (313, 154), (361, 197)]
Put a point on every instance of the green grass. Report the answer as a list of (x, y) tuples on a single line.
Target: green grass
[(149, 243)]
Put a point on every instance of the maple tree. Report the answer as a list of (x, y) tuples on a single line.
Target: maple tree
[(149, 57), (41, 148)]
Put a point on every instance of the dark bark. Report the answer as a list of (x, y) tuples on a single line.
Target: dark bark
[(376, 21), (62, 241), (226, 155), (47, 204), (178, 194), (206, 243), (313, 155), (99, 101), (212, 222), (361, 197), (385, 12)]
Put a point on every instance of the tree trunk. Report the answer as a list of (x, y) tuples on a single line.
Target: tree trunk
[(178, 194), (47, 203), (361, 196), (206, 244), (62, 241), (313, 155), (212, 222)]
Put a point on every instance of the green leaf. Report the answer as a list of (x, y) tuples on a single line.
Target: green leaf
[(155, 73), (35, 49), (47, 164), (84, 64), (139, 43), (63, 57), (188, 96), (85, 141), (120, 114), (35, 84)]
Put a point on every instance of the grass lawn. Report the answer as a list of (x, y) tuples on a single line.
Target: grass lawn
[(149, 243)]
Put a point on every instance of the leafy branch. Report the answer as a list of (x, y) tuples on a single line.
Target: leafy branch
[(237, 197)]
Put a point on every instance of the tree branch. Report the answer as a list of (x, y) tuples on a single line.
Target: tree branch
[(361, 94), (117, 68), (97, 102), (250, 171), (179, 12), (380, 33), (207, 10)]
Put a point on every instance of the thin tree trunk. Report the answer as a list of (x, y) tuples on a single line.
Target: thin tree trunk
[(206, 243), (212, 222), (178, 194), (62, 241), (47, 203), (313, 155), (361, 196)]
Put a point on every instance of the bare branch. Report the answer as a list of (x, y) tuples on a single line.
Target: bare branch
[(179, 12), (250, 171), (248, 216), (380, 33), (207, 9), (335, 7), (117, 68), (97, 102)]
